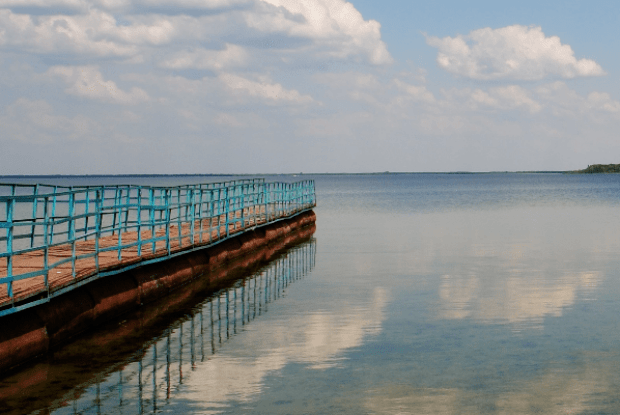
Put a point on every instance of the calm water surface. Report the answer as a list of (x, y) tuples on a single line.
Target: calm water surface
[(420, 293)]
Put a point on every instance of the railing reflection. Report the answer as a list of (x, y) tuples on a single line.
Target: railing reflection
[(145, 383)]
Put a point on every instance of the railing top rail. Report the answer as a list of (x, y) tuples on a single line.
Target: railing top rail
[(46, 190), (33, 185)]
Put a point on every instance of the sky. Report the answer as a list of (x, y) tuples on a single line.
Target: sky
[(313, 86)]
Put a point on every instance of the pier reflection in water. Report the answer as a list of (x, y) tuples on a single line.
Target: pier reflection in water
[(144, 382)]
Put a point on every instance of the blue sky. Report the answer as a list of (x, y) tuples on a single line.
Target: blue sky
[(267, 86)]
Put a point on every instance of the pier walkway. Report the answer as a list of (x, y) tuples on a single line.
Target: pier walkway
[(54, 239)]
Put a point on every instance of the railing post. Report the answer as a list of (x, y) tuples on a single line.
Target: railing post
[(287, 196), (211, 213), (34, 214), (274, 200), (168, 214), (265, 201), (46, 219), (152, 217), (120, 223), (192, 209), (234, 206), (200, 215), (86, 211), (252, 202), (304, 195), (179, 223), (290, 198), (10, 208), (72, 231), (218, 208), (162, 202), (116, 198), (280, 199), (287, 193), (139, 210), (227, 209), (53, 216), (127, 207), (188, 193), (257, 203), (100, 194), (243, 194)]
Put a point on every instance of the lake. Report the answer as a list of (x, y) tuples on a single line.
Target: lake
[(488, 293)]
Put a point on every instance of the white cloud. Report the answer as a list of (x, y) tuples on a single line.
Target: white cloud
[(264, 89), (566, 102), (88, 82), (197, 4), (312, 29), (417, 93), (404, 104), (52, 6), (70, 4), (335, 25), (349, 81), (514, 96), (156, 31), (512, 52), (231, 56), (360, 87), (35, 121), (503, 98), (602, 101), (227, 120), (94, 33), (466, 100)]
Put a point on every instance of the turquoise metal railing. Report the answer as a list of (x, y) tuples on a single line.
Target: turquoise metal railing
[(58, 238)]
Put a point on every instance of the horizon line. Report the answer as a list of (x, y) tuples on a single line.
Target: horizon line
[(281, 174)]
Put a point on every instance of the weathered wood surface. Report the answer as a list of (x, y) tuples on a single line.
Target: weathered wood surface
[(206, 232)]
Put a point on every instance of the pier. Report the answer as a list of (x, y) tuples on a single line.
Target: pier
[(73, 257)]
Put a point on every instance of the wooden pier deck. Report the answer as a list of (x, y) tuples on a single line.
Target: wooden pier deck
[(205, 232)]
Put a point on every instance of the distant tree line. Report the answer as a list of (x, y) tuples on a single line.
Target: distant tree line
[(601, 168)]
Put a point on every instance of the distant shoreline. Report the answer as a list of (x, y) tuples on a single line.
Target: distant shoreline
[(60, 176), (600, 168), (591, 169)]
